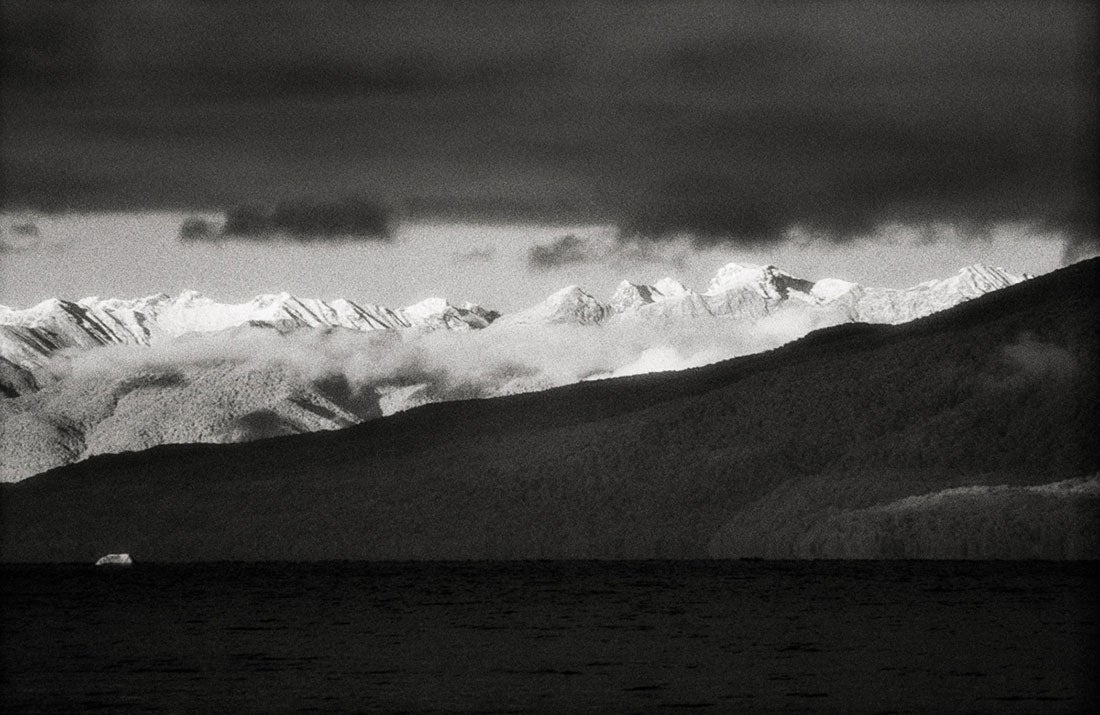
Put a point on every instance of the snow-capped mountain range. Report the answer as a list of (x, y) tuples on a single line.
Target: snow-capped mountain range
[(201, 371), (745, 291), (29, 337)]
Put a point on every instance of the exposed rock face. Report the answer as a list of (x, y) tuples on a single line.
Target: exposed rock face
[(15, 380)]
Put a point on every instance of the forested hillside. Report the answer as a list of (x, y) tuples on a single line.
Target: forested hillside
[(804, 451)]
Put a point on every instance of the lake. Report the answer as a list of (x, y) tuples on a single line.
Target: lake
[(548, 636)]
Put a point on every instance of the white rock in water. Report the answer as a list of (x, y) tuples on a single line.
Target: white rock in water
[(115, 560)]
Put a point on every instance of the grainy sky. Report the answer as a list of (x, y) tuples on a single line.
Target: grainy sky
[(729, 126)]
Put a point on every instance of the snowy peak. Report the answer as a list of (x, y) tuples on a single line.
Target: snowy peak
[(189, 298), (976, 279), (889, 305), (426, 308), (480, 312), (634, 296), (437, 313), (737, 275), (767, 281), (630, 296), (569, 305), (669, 288), (829, 289)]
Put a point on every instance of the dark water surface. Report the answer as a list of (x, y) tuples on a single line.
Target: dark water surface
[(627, 636)]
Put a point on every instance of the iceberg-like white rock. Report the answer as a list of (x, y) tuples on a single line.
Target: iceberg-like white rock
[(115, 560)]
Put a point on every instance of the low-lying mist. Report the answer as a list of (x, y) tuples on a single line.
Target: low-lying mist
[(446, 365)]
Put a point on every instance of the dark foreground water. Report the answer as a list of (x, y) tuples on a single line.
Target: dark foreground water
[(636, 636)]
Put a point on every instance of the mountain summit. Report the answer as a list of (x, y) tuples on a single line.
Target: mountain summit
[(569, 305)]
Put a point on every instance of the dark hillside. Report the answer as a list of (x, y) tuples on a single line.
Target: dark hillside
[(796, 452)]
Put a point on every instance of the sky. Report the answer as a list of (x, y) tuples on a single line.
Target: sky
[(519, 147)]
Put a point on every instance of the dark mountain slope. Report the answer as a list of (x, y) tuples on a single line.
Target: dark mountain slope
[(1000, 390)]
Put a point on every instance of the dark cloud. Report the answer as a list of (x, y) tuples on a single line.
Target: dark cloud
[(47, 45), (498, 208), (322, 78), (198, 229), (302, 220), (54, 187), (844, 175), (723, 122), (559, 252), (22, 235)]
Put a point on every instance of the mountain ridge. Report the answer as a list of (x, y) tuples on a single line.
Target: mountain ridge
[(841, 425), (29, 336), (229, 383)]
